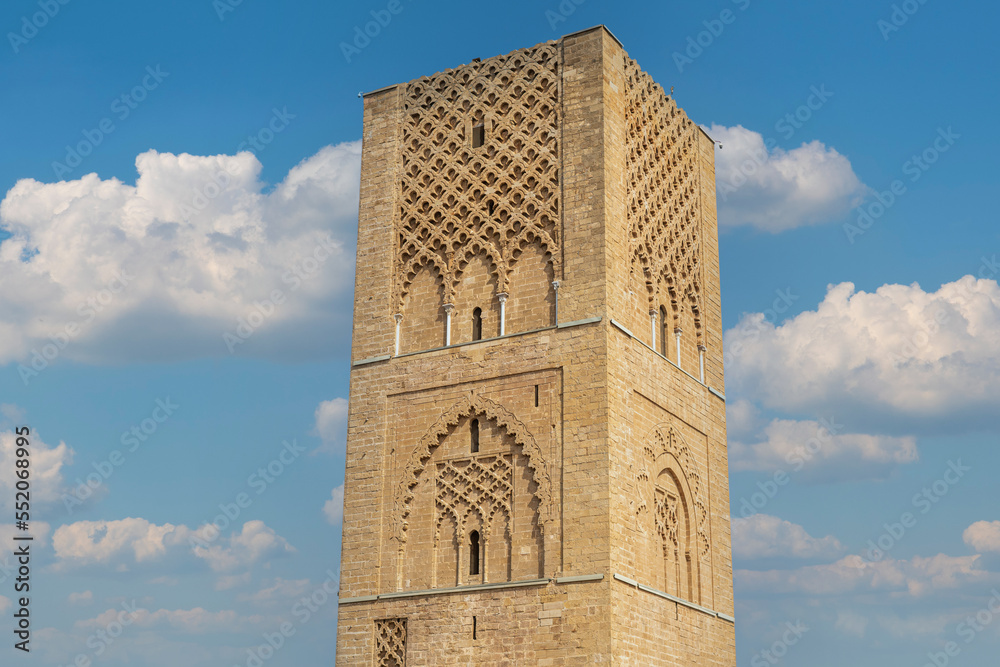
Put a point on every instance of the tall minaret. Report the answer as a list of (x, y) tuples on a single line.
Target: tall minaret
[(536, 451)]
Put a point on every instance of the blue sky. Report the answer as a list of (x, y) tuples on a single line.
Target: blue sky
[(174, 90)]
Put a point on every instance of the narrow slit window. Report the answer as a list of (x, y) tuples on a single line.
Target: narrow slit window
[(474, 436), (474, 552), (536, 395), (663, 331), (477, 324), (478, 135), (473, 627)]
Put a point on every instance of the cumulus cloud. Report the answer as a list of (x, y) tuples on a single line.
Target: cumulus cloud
[(774, 190), (890, 358), (331, 425), (47, 464), (110, 272), (128, 544), (765, 536), (822, 454), (983, 536), (334, 507), (850, 575), (254, 543)]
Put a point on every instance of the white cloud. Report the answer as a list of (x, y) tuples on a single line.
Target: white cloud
[(279, 591), (913, 578), (890, 358), (331, 425), (197, 621), (47, 463), (86, 597), (127, 544), (254, 543), (809, 446), (983, 536), (777, 190), (190, 274), (334, 507), (765, 536)]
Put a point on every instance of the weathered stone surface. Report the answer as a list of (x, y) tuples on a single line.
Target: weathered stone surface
[(563, 448)]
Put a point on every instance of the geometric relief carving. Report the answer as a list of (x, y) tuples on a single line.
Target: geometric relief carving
[(390, 642), (672, 509), (663, 207), (486, 410), (491, 198), (476, 495), (472, 501), (481, 486)]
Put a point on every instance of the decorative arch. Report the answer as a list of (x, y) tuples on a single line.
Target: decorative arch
[(470, 405), (666, 450)]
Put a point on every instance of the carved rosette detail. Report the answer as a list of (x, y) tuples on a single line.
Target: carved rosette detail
[(471, 405), (666, 440), (663, 208), (458, 201)]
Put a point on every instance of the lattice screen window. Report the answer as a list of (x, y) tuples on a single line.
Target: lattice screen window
[(390, 642)]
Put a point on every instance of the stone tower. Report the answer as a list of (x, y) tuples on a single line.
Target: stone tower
[(536, 449)]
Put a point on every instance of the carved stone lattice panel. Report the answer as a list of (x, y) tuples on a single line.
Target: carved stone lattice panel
[(663, 208), (485, 409), (665, 517), (390, 642), (483, 485), (661, 445), (459, 200)]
